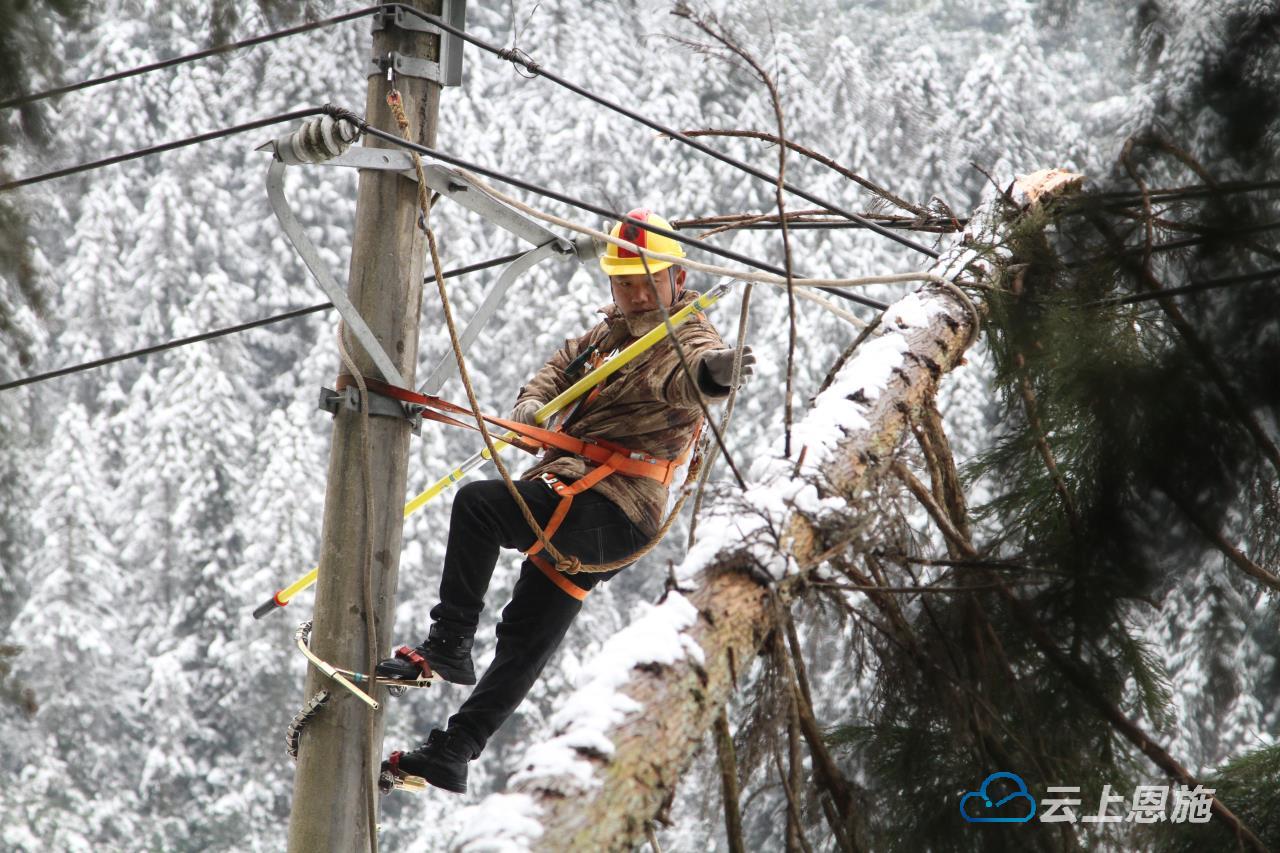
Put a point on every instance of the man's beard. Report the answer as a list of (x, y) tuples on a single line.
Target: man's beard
[(641, 322)]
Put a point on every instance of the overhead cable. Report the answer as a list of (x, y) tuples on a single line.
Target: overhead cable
[(504, 54), (1127, 197), (518, 58), (168, 345), (605, 213), (742, 275), (190, 57), (1272, 275), (165, 146), (359, 122), (219, 333)]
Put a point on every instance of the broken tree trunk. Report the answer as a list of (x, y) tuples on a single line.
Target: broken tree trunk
[(653, 693)]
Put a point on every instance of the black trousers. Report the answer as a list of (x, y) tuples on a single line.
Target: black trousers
[(486, 519)]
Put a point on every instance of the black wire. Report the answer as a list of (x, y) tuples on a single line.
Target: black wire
[(166, 146), (218, 333), (1129, 199), (365, 127), (906, 225), (180, 342), (529, 64), (190, 57), (1210, 284), (1202, 235), (519, 58)]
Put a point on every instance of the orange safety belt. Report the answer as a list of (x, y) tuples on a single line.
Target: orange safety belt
[(610, 458)]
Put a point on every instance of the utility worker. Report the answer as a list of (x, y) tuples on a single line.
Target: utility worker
[(650, 407)]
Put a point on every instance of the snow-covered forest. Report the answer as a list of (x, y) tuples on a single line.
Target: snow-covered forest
[(148, 506)]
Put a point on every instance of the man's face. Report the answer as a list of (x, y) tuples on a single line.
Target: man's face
[(633, 294)]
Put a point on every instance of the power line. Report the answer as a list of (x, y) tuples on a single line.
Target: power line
[(190, 57), (933, 226), (1128, 198), (359, 122), (395, 139), (509, 55), (174, 344), (1209, 284), (157, 149), (517, 57), (362, 124), (219, 333)]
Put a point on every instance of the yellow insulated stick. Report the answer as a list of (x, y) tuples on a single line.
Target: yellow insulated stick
[(573, 392)]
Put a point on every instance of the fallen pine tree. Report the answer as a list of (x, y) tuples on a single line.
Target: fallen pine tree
[(653, 693)]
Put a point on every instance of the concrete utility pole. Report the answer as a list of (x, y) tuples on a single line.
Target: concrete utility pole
[(329, 798)]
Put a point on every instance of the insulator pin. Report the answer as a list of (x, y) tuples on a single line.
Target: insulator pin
[(317, 140)]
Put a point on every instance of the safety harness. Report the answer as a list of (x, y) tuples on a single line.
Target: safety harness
[(621, 460), (609, 457)]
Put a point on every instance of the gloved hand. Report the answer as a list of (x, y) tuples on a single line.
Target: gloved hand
[(524, 412), (719, 365)]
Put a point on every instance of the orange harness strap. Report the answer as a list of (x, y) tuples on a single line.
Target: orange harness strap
[(558, 578), (597, 450), (610, 458)]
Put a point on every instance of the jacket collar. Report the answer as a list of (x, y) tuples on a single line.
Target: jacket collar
[(613, 315)]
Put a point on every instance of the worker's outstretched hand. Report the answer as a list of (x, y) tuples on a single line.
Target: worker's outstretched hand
[(719, 365), (526, 412)]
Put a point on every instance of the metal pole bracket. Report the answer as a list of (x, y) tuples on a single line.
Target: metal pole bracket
[(449, 70), (379, 406), (404, 66)]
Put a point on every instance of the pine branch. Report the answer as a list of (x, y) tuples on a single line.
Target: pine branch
[(794, 823), (1086, 687), (1233, 554), (1076, 674), (953, 536), (1028, 395), (1200, 350), (827, 774)]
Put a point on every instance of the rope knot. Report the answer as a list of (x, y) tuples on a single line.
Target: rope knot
[(397, 109), (570, 566)]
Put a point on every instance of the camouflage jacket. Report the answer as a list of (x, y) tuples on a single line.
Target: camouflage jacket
[(650, 406)]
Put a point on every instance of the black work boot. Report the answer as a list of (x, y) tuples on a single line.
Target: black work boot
[(442, 761), (446, 653)]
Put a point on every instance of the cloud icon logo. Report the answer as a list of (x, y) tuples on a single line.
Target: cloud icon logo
[(978, 807)]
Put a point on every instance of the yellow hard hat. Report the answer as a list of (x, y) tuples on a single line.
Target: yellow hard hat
[(619, 261)]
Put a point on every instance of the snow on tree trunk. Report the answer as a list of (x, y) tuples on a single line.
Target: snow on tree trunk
[(647, 700)]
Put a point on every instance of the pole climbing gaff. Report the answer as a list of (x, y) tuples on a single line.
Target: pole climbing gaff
[(573, 392)]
